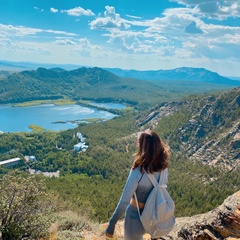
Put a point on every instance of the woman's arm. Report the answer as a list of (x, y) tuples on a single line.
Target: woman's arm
[(128, 191)]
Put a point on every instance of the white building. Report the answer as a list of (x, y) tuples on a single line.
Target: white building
[(80, 137), (80, 146), (10, 162), (32, 158)]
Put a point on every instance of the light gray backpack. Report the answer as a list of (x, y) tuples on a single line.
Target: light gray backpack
[(157, 216)]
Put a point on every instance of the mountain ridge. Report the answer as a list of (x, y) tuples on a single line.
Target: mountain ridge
[(95, 84), (183, 73), (151, 74), (209, 127)]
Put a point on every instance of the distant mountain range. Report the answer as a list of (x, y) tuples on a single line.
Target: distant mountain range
[(21, 66), (183, 73), (97, 84), (93, 84)]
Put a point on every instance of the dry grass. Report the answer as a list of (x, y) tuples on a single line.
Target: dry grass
[(72, 226)]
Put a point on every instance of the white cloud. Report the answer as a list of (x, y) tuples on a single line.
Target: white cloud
[(180, 36), (171, 35), (84, 42), (213, 9), (21, 31), (36, 8), (135, 17), (65, 42), (110, 20), (54, 10), (60, 32), (78, 11), (84, 48), (25, 48), (81, 43)]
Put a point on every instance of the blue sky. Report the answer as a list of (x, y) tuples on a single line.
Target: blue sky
[(135, 34)]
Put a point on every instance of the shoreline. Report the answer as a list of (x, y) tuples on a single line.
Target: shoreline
[(36, 127), (42, 102), (60, 102)]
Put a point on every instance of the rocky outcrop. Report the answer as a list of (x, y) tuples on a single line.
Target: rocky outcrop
[(215, 153), (209, 131), (220, 223), (165, 109)]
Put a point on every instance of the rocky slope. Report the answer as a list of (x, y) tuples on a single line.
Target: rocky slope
[(210, 130), (220, 223)]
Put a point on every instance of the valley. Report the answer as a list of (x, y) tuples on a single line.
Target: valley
[(200, 124)]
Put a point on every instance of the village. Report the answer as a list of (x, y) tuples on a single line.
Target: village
[(81, 146)]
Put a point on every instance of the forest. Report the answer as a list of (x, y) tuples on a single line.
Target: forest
[(95, 84)]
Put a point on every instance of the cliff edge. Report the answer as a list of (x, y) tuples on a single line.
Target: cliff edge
[(221, 223)]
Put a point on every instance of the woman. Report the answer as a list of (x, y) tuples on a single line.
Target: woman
[(152, 157)]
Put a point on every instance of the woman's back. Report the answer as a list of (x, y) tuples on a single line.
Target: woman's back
[(145, 186)]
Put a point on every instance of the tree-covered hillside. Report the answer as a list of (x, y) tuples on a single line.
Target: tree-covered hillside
[(206, 129), (88, 178), (93, 84)]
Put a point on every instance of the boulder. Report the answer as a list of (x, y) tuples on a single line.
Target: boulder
[(220, 223)]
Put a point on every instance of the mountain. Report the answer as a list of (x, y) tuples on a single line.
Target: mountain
[(93, 84), (183, 73), (21, 66), (206, 128), (82, 83)]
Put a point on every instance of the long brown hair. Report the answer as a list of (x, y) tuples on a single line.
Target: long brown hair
[(152, 154)]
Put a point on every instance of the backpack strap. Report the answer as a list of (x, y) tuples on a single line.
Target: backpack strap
[(152, 179), (162, 181), (164, 178), (135, 196)]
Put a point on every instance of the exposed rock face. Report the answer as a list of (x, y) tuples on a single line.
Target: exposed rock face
[(220, 223), (210, 132), (225, 156)]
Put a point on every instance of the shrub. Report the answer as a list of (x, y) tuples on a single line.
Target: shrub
[(24, 207)]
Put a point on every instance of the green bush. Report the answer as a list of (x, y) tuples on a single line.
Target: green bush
[(24, 207)]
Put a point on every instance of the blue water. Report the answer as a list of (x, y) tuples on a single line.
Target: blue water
[(17, 119)]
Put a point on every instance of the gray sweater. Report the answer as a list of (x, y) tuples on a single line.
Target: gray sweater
[(138, 182)]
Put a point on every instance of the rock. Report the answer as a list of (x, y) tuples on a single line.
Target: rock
[(220, 223)]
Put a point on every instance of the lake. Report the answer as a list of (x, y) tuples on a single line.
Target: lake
[(50, 116)]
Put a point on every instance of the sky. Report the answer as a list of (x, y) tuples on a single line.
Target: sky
[(133, 34)]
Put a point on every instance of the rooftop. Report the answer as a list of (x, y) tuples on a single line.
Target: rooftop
[(9, 160)]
